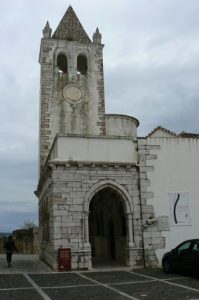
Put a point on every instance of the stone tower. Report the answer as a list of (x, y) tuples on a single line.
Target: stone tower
[(72, 85), (92, 190)]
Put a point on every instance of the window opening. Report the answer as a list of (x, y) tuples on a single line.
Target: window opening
[(62, 63), (82, 65)]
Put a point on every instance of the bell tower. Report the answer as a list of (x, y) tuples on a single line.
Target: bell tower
[(72, 83), (88, 190)]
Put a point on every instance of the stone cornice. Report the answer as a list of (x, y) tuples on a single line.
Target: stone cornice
[(104, 164)]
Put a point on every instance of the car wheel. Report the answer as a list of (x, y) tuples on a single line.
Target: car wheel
[(167, 266)]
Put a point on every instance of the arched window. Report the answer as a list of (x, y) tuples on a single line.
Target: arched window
[(62, 63), (82, 65)]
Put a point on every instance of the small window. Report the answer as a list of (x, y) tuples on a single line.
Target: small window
[(62, 63), (196, 246), (184, 247), (82, 65)]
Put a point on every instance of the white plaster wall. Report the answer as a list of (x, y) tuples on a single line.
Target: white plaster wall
[(120, 125), (161, 133), (93, 149), (176, 170)]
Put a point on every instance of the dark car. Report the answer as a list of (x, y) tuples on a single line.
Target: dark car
[(183, 258)]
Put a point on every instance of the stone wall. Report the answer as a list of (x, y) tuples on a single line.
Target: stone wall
[(26, 241), (152, 235), (66, 197), (59, 115), (2, 242)]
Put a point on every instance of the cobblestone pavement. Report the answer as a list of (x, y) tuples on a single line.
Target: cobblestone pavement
[(30, 279)]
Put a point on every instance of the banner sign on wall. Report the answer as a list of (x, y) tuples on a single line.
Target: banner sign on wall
[(179, 208)]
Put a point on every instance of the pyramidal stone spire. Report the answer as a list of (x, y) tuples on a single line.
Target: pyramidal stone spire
[(97, 37), (47, 31), (71, 29)]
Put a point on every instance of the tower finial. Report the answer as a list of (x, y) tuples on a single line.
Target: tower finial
[(97, 37), (47, 31)]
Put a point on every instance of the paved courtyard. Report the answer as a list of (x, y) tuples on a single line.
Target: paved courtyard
[(30, 279)]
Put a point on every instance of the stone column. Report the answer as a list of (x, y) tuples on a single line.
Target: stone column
[(130, 247), (86, 229), (130, 229), (86, 244)]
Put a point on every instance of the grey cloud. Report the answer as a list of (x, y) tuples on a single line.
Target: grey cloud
[(156, 94), (12, 220)]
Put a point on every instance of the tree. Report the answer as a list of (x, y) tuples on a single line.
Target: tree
[(29, 224)]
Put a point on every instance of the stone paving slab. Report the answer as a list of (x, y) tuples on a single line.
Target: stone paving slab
[(59, 279), (159, 273), (84, 293), (192, 282), (30, 294), (114, 276), (30, 279), (157, 290), (13, 281)]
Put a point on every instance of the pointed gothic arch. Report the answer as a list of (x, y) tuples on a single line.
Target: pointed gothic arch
[(127, 200), (97, 235)]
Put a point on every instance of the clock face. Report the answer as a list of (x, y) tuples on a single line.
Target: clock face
[(72, 93)]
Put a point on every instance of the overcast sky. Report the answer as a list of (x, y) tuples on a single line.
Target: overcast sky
[(151, 64)]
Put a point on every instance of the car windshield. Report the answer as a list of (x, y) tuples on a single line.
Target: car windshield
[(185, 246)]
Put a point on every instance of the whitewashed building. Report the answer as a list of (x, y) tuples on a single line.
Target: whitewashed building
[(103, 192)]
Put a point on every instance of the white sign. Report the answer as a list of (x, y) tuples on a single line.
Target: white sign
[(179, 208)]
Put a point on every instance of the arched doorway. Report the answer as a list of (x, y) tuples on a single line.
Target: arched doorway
[(107, 227)]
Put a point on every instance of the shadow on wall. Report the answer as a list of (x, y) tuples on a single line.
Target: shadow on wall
[(26, 240)]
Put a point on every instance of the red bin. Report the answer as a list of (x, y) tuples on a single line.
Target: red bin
[(64, 259)]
